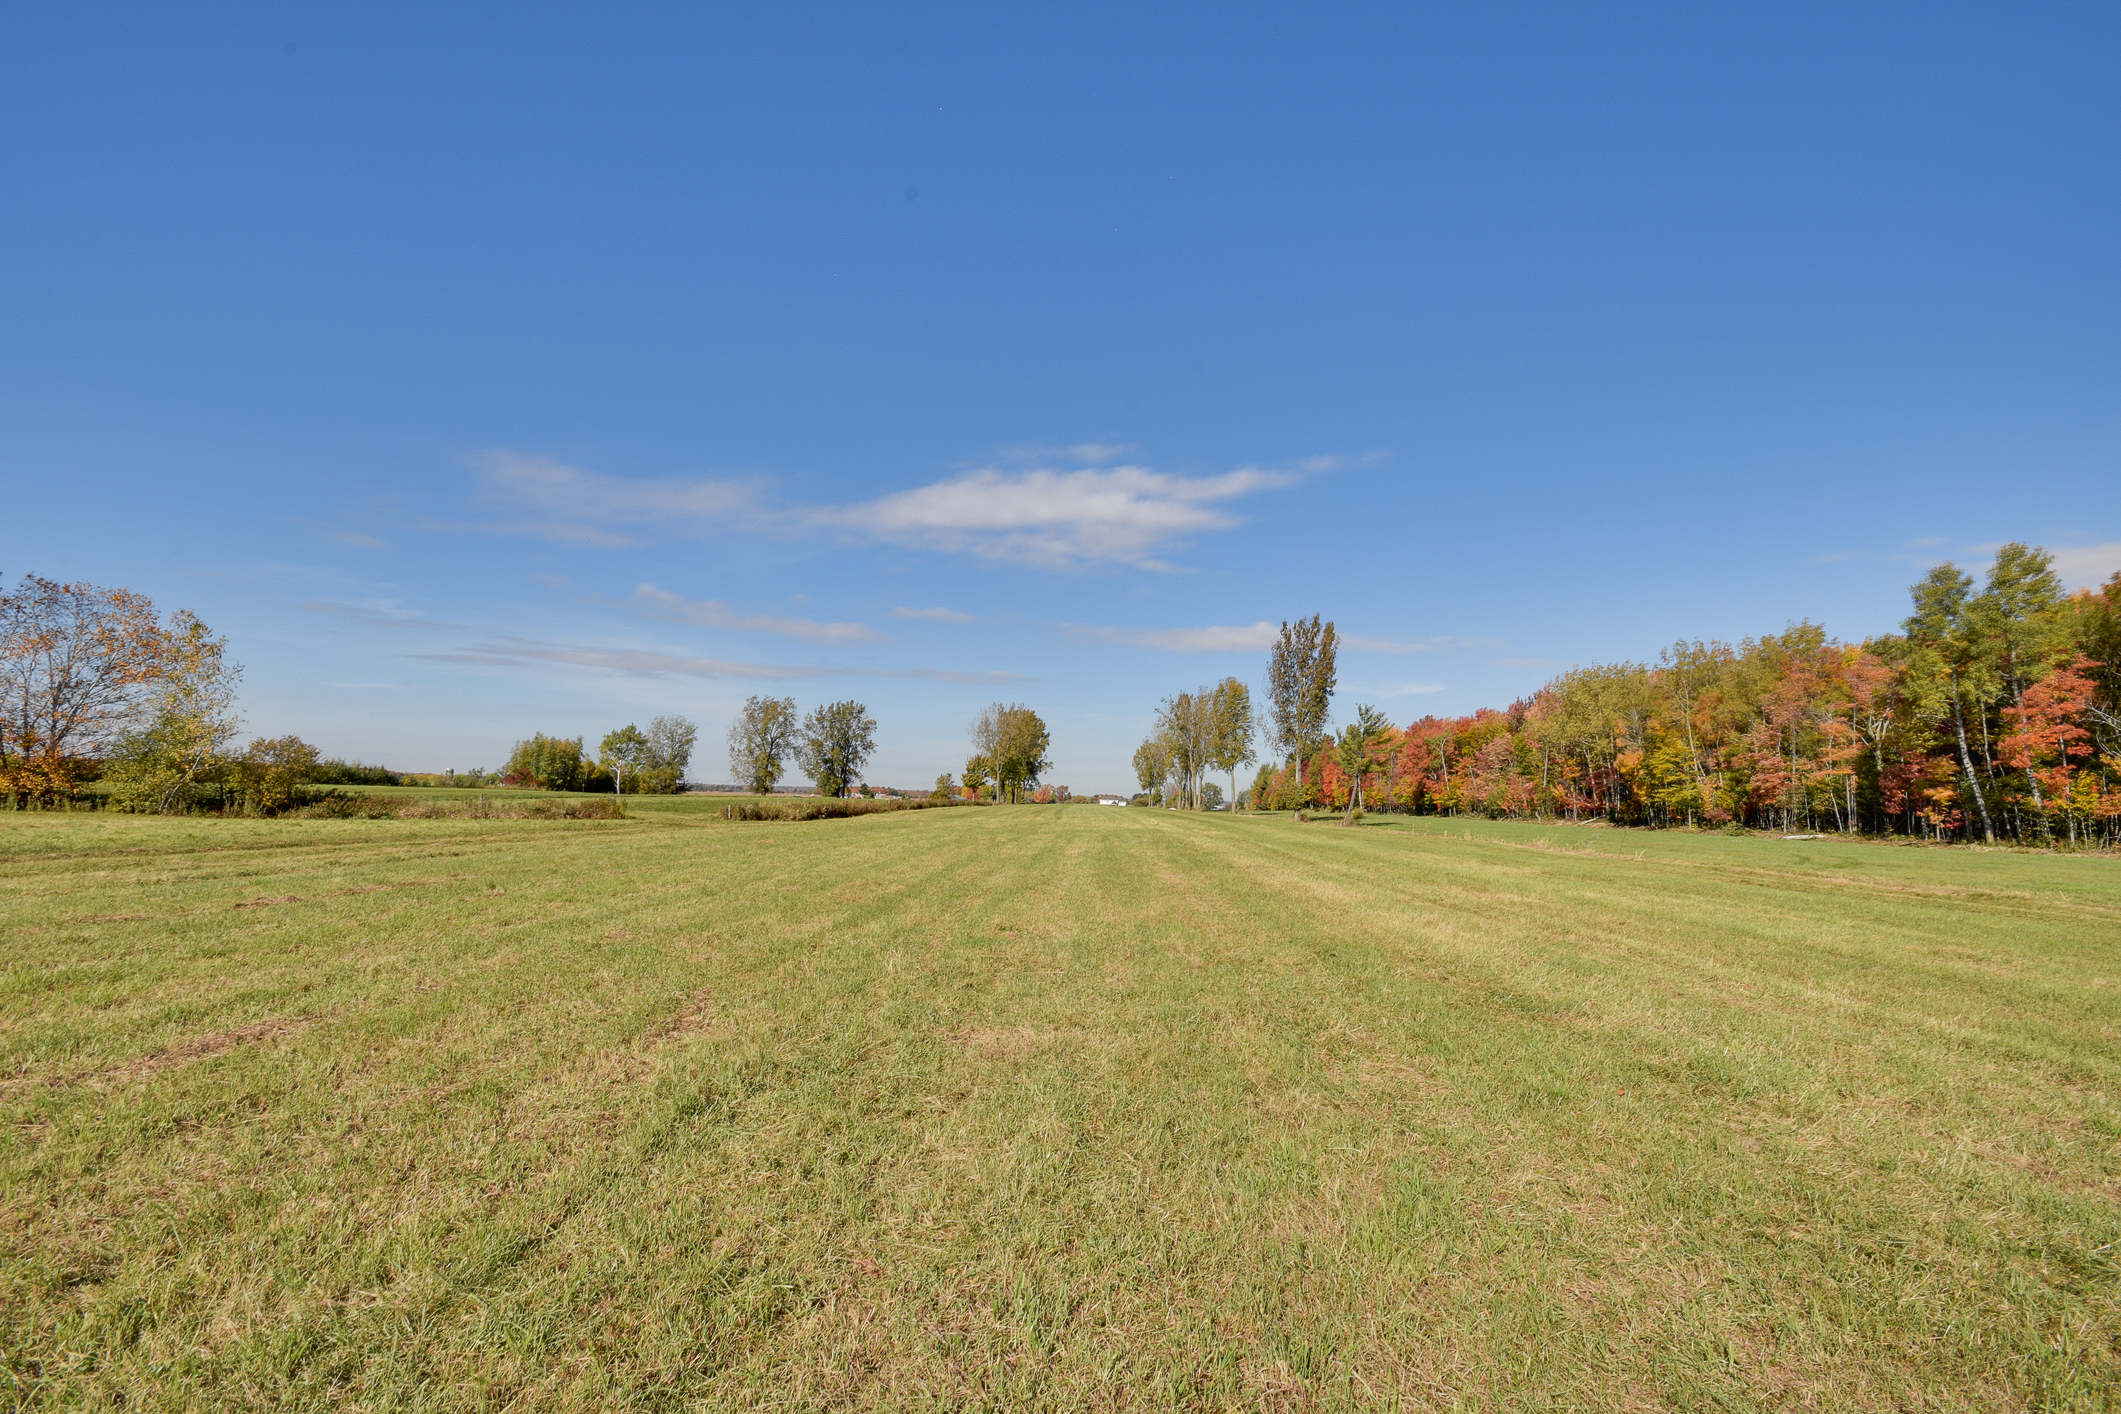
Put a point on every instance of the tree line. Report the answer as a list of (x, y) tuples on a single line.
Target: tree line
[(97, 688), (1994, 714)]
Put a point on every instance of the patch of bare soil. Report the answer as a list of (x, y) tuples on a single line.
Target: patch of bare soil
[(220, 1043)]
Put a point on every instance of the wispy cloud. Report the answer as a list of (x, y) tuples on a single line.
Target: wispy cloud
[(544, 497), (1526, 662), (1213, 639), (385, 613), (1117, 515), (1412, 689), (509, 651), (355, 537), (948, 616), (711, 613), (490, 649), (2088, 566), (1393, 645)]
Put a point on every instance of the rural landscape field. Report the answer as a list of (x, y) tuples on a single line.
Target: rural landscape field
[(1022, 1108)]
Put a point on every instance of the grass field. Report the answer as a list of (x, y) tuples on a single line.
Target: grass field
[(1042, 1108)]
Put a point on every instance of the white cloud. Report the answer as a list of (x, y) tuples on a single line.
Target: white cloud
[(1213, 639), (2087, 566), (1093, 514), (1120, 514), (948, 616), (1412, 689), (710, 613)]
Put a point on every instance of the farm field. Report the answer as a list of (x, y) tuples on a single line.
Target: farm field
[(1031, 1107)]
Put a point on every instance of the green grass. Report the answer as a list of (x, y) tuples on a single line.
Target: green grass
[(1043, 1108)]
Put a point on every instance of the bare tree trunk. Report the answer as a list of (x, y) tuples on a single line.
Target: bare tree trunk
[(1966, 759)]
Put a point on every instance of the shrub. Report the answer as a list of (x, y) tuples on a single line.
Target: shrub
[(828, 807), (547, 763), (269, 775)]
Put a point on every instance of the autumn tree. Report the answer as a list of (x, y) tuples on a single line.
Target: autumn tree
[(76, 663), (760, 741), (2045, 734), (837, 740)]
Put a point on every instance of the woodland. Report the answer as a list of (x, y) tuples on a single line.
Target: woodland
[(1993, 715)]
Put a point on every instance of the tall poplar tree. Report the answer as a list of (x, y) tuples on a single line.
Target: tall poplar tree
[(1301, 676)]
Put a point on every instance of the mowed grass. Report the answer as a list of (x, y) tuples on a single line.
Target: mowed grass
[(1050, 1108)]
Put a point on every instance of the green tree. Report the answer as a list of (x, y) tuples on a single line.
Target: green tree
[(837, 740), (945, 787), (670, 742), (760, 741), (1012, 740), (1184, 724), (1360, 750), (1152, 767), (1949, 678), (1230, 733), (977, 775), (269, 775), (624, 753), (1301, 675), (2018, 620), (546, 763), (192, 703)]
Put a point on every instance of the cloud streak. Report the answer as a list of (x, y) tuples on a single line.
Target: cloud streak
[(565, 503), (512, 652), (712, 613), (948, 616), (504, 650), (1215, 638)]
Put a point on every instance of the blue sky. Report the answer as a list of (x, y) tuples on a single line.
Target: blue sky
[(515, 368)]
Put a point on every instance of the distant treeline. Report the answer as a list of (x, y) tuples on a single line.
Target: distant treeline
[(1995, 714)]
